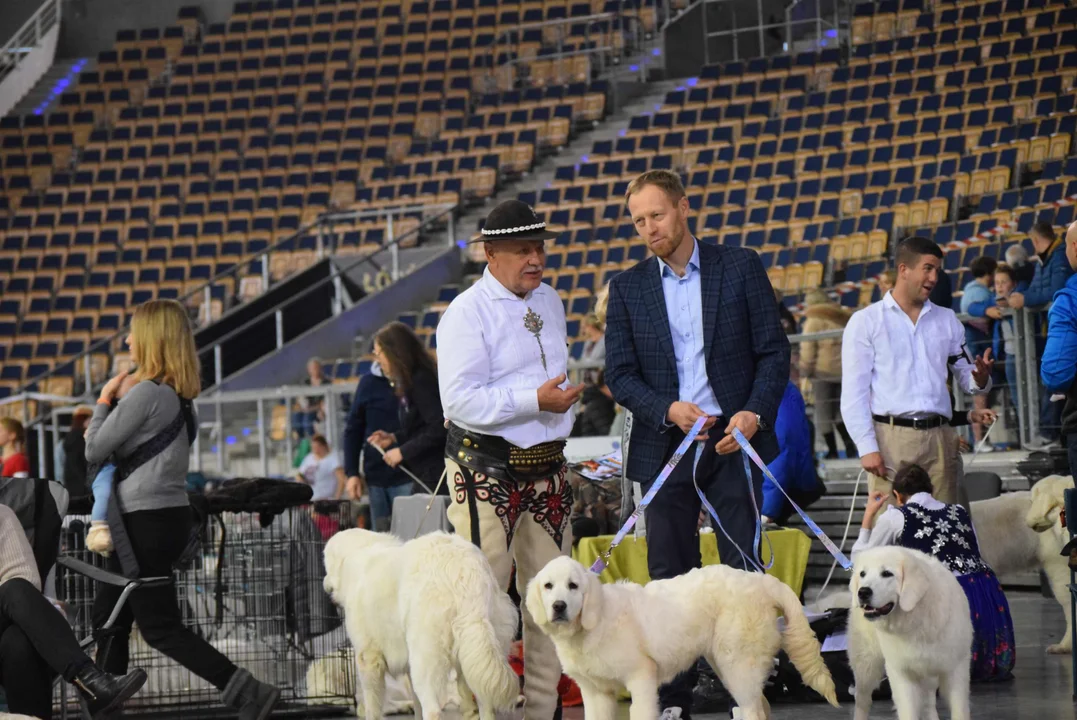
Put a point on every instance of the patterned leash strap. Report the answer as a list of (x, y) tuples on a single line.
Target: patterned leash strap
[(753, 560), (682, 450), (750, 453)]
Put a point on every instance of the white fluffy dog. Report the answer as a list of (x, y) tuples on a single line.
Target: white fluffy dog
[(909, 620), (638, 637), (1022, 531), (425, 607)]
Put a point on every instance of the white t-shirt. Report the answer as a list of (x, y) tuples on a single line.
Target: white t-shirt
[(320, 474)]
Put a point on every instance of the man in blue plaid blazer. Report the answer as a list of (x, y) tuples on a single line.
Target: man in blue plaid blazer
[(693, 331)]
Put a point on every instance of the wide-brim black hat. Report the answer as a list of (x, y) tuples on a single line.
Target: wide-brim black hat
[(514, 220)]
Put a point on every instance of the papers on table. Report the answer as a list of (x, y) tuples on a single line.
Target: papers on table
[(600, 469)]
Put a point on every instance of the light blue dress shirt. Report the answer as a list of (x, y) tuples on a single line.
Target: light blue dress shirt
[(684, 308)]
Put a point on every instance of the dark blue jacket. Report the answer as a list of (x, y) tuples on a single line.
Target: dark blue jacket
[(794, 467), (746, 352), (375, 407), (1050, 277)]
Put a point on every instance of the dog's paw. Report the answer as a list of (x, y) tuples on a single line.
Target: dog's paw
[(1059, 649)]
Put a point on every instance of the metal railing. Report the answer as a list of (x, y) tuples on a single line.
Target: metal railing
[(334, 278), (29, 36), (262, 259), (822, 31)]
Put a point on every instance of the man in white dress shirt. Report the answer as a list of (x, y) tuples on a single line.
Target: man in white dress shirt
[(895, 358), (502, 357)]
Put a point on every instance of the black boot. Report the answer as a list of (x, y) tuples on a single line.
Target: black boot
[(253, 699), (831, 446), (103, 693)]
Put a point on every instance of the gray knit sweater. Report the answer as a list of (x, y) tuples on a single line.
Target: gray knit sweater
[(16, 556), (146, 410)]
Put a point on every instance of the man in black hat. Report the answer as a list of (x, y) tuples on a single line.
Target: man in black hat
[(502, 356)]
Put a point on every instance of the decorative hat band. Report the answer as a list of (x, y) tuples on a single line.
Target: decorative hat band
[(522, 228)]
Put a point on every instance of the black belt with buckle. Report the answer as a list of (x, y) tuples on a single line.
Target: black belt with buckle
[(492, 455), (928, 423)]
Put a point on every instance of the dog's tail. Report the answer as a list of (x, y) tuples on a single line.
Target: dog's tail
[(800, 643), (482, 650)]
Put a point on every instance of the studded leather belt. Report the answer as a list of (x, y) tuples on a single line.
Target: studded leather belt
[(496, 456)]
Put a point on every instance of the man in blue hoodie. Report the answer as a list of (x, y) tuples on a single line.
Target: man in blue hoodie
[(794, 467), (1050, 277), (1059, 366), (374, 408)]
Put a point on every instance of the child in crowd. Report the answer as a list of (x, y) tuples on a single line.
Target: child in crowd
[(13, 441), (99, 539)]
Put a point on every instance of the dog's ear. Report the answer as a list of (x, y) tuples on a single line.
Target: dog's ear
[(591, 611), (914, 585), (534, 603)]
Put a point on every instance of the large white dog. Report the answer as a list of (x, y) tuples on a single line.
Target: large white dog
[(611, 637), (1022, 531), (909, 620), (425, 607)]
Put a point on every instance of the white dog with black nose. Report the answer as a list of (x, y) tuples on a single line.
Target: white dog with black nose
[(637, 637), (909, 620)]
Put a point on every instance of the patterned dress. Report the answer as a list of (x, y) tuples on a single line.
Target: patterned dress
[(946, 533)]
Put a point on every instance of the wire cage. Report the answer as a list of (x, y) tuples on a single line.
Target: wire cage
[(255, 593)]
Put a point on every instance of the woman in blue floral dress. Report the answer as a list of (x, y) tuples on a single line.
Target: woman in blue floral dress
[(920, 522)]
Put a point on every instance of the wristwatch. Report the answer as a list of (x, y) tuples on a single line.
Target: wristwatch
[(760, 423)]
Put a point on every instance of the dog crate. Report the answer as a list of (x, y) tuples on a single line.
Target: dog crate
[(255, 593)]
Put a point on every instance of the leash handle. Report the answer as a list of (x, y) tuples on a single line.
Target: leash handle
[(751, 454), (754, 561), (601, 563)]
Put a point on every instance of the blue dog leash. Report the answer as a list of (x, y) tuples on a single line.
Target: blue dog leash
[(682, 449), (749, 454)]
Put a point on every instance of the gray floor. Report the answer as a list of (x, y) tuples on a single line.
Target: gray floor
[(1040, 691)]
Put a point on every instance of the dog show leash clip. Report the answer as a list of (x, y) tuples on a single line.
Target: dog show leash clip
[(750, 453), (601, 563)]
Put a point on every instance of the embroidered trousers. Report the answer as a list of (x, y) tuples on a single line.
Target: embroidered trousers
[(526, 522)]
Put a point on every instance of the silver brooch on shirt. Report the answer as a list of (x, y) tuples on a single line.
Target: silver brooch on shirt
[(533, 325)]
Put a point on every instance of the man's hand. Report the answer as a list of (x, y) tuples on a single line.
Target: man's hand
[(745, 422), (994, 313), (1016, 300), (684, 416), (354, 487), (382, 439), (984, 416), (393, 457), (873, 463), (982, 373), (552, 398)]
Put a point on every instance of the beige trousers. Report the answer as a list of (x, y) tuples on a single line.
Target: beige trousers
[(525, 522), (935, 450)]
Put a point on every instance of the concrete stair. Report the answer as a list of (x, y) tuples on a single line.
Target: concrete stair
[(45, 93)]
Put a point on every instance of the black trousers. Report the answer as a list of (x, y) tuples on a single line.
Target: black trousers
[(36, 644), (158, 538), (672, 521)]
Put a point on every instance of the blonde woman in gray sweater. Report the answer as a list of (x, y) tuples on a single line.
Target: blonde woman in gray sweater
[(36, 642), (149, 434)]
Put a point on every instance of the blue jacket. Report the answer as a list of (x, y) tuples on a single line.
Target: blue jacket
[(794, 467), (746, 351), (375, 407), (1049, 278), (1059, 364)]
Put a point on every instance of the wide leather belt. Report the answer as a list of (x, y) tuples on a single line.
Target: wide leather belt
[(492, 455), (927, 423)]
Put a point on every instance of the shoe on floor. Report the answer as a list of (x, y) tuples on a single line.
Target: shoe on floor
[(102, 693), (255, 700)]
